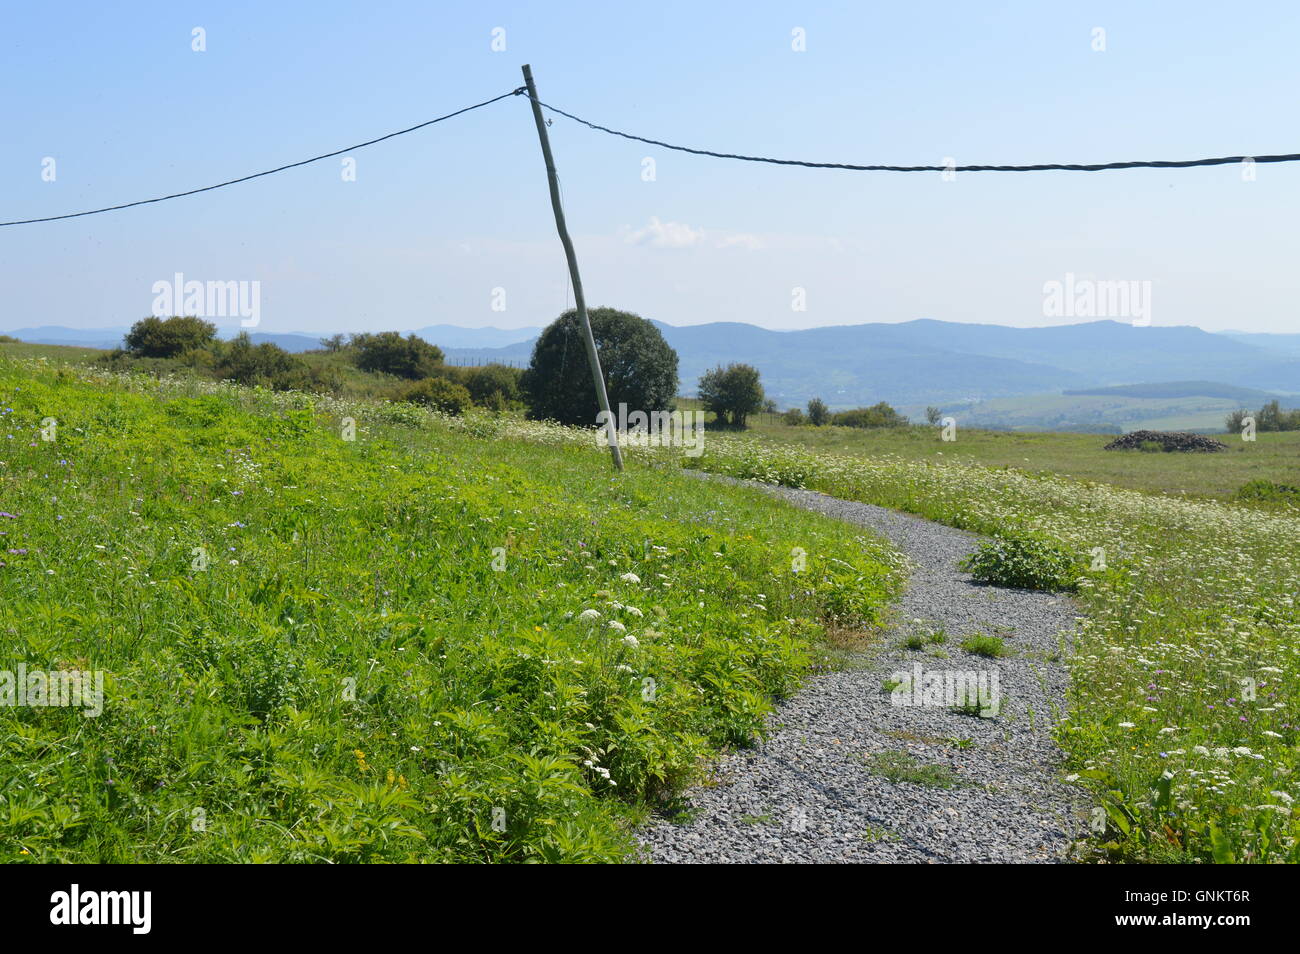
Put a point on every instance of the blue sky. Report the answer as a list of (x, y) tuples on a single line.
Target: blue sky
[(437, 220)]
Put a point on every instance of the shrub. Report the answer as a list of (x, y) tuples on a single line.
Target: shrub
[(389, 353), (1028, 563), (493, 385), (439, 393), (794, 417), (878, 415), (158, 338), (269, 366), (1269, 492), (640, 368)]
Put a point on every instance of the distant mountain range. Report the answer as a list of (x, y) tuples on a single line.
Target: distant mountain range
[(937, 362), (913, 363), (445, 336)]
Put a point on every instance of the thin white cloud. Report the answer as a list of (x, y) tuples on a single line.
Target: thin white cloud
[(659, 234), (664, 234)]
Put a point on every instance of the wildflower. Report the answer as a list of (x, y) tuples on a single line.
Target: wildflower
[(631, 641), (630, 578), (616, 626), (589, 614)]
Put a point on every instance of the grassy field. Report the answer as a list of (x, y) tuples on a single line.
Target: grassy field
[(1272, 456), (58, 354), (434, 642), (1076, 412), (350, 678), (1182, 710)]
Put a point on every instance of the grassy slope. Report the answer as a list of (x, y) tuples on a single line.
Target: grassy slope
[(349, 678), (1272, 456), (59, 354)]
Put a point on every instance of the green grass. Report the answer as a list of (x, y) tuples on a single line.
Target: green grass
[(1273, 456), (1077, 412), (55, 354), (982, 644), (378, 650)]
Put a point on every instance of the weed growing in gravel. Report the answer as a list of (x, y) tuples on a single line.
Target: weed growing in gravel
[(985, 645), (899, 766), (875, 833)]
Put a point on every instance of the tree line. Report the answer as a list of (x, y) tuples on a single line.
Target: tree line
[(640, 369), (1270, 417)]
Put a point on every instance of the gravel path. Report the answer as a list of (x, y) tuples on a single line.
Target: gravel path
[(846, 776)]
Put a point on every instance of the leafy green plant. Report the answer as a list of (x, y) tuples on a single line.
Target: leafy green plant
[(1025, 563), (1271, 492)]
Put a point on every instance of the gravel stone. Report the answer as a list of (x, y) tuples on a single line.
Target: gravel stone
[(809, 792)]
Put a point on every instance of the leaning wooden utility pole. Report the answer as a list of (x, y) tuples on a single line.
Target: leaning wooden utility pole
[(593, 359)]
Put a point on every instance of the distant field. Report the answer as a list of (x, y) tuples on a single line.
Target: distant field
[(1272, 457), (1077, 412), (60, 354)]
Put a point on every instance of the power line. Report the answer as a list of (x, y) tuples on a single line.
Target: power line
[(258, 175), (1038, 167)]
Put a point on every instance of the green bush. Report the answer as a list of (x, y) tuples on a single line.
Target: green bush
[(265, 365), (878, 415), (494, 386), (158, 338), (1024, 563), (1269, 492), (389, 353), (439, 393)]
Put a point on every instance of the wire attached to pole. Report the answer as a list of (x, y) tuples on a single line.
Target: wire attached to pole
[(268, 172), (1036, 167)]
